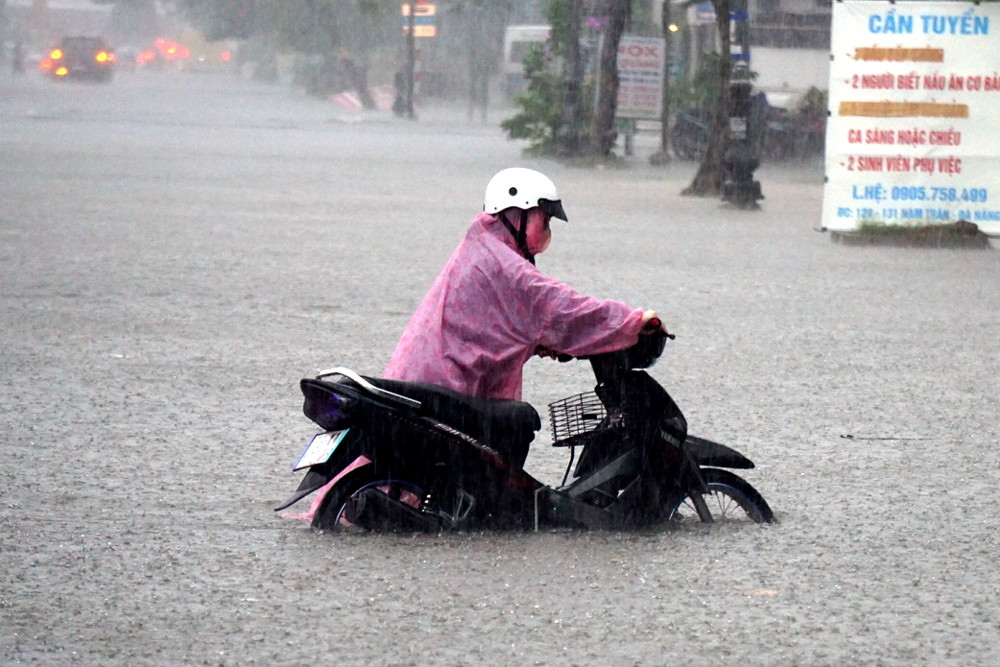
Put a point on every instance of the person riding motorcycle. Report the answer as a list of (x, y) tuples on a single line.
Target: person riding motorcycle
[(490, 309)]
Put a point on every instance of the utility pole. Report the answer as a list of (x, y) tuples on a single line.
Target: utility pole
[(411, 59), (738, 164)]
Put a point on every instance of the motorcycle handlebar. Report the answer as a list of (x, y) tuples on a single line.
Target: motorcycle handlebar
[(654, 327)]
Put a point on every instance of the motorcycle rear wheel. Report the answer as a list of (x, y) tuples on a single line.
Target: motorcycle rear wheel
[(730, 499), (334, 513)]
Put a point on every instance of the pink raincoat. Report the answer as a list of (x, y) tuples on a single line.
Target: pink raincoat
[(490, 308)]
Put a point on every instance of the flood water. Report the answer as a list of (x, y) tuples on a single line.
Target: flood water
[(177, 250)]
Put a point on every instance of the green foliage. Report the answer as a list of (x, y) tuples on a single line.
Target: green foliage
[(813, 103), (312, 26), (559, 15), (540, 111), (961, 234), (701, 90), (222, 19)]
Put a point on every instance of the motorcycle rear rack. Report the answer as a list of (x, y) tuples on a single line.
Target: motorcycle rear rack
[(384, 394)]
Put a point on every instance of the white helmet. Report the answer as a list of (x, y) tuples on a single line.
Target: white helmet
[(522, 188)]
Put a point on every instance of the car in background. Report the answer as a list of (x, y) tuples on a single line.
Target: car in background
[(80, 58), (517, 40)]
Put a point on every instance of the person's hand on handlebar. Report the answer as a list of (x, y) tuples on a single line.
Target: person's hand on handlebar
[(651, 323)]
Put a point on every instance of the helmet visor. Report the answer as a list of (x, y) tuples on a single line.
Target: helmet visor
[(553, 208)]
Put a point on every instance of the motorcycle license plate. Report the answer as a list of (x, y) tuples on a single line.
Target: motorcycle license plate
[(320, 449)]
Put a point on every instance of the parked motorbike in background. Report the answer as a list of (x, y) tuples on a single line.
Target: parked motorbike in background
[(401, 456), (689, 132), (777, 134)]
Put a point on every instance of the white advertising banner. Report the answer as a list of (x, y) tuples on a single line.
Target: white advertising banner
[(913, 136), (641, 62)]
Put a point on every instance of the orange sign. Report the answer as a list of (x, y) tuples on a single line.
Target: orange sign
[(421, 30), (425, 9)]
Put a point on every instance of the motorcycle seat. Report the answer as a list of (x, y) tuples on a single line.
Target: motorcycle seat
[(506, 425)]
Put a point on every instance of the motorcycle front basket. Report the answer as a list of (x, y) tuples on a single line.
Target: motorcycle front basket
[(573, 416)]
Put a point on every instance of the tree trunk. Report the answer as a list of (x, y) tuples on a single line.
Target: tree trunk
[(604, 135), (568, 136), (708, 181), (663, 156), (484, 44)]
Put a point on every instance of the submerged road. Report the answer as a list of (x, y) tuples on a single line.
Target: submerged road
[(176, 251)]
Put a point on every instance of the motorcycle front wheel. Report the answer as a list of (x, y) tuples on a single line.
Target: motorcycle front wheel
[(730, 499)]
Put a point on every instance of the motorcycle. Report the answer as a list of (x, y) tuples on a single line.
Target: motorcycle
[(777, 135), (689, 132), (402, 456)]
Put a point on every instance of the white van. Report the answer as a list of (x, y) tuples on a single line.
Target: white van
[(516, 42)]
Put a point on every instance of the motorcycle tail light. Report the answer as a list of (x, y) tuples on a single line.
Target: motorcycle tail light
[(331, 410), (56, 54), (62, 71)]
